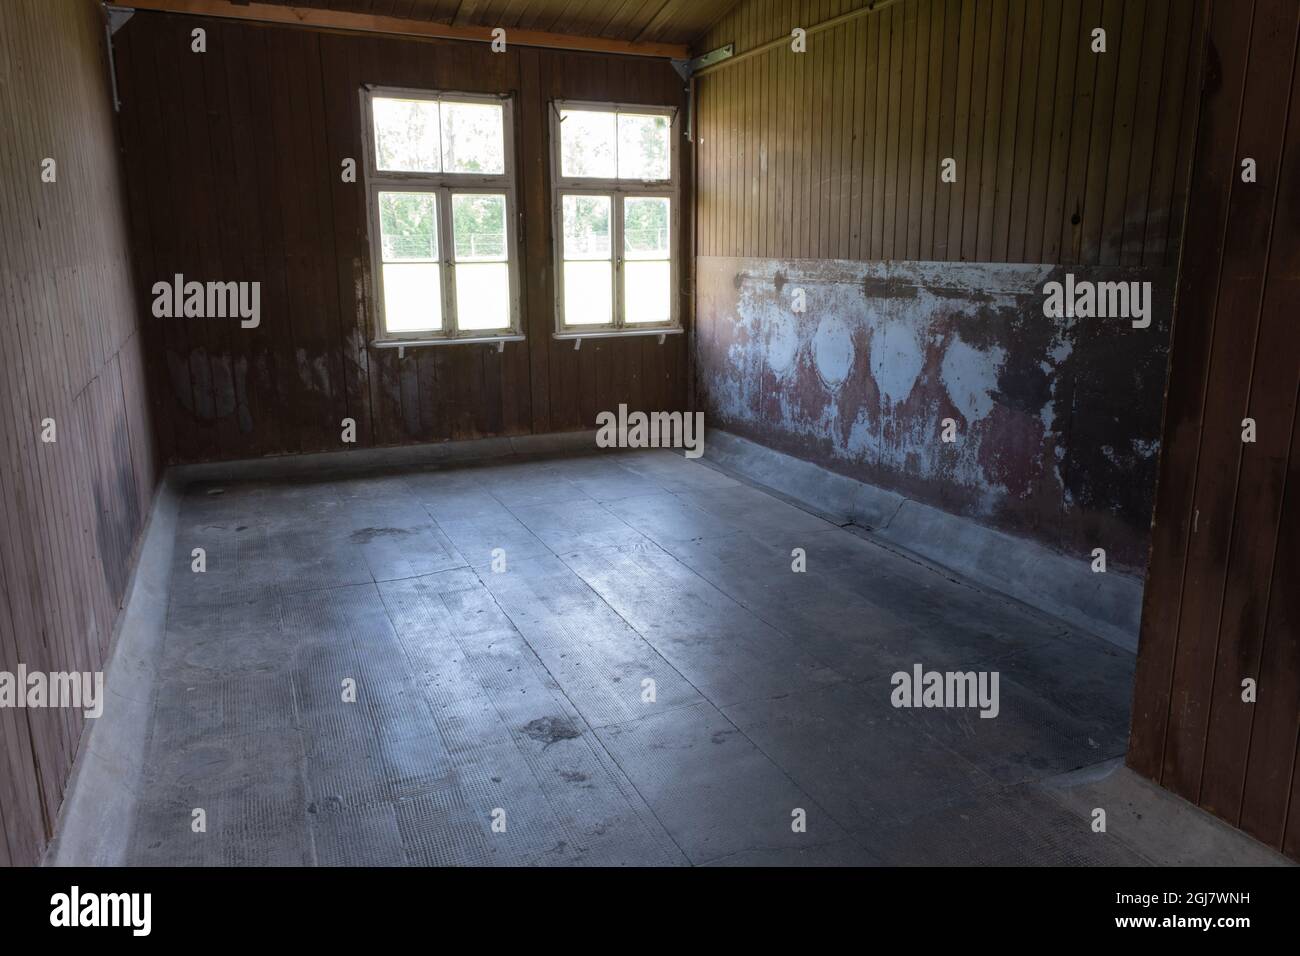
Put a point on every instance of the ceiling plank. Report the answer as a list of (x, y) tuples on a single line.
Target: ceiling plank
[(399, 26)]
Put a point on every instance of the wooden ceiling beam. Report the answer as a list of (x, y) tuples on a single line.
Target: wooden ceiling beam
[(401, 26)]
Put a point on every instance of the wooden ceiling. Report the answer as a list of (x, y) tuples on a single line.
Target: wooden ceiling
[(644, 21)]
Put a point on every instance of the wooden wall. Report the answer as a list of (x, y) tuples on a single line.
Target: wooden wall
[(826, 165), (70, 349), (1063, 155), (233, 161), (1223, 593)]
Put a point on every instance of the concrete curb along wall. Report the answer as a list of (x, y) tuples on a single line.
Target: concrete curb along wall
[(396, 456), (94, 825), (1108, 605)]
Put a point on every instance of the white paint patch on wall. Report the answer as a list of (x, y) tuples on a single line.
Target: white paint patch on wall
[(896, 358), (971, 376), (782, 332), (832, 349), (736, 382), (862, 437)]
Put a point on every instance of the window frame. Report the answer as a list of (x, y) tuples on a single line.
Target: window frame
[(617, 190), (444, 185)]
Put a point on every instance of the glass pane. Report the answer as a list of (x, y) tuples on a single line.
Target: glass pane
[(483, 295), (647, 292), (408, 226), (588, 296), (406, 134), (645, 228), (586, 227), (412, 297), (642, 147), (479, 226), (587, 143), (473, 140)]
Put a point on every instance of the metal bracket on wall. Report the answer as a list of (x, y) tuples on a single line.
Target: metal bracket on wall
[(114, 18), (687, 68), (117, 16)]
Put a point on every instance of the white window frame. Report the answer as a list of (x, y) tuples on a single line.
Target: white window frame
[(617, 190), (444, 185)]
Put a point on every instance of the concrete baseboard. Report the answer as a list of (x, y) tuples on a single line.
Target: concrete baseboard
[(360, 460), (1154, 822), (94, 824), (1108, 605)]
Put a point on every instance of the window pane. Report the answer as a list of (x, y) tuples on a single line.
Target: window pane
[(588, 296), (472, 138), (408, 226), (483, 295), (587, 143), (642, 147), (645, 228), (647, 292), (586, 227), (412, 297), (479, 226), (406, 134)]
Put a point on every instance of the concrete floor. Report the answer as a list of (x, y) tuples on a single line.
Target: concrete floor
[(522, 690)]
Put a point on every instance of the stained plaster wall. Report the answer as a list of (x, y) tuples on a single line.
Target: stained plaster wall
[(1058, 420)]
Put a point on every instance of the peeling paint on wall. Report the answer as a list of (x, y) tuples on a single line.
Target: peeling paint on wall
[(1058, 419)]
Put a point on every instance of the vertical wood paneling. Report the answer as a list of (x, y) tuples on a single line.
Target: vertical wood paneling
[(932, 155), (1229, 39), (1221, 604), (1045, 106), (906, 120), (1068, 80), (1146, 115), (1127, 94), (973, 165), (1030, 84), (1080, 148), (1250, 215), (1064, 155), (233, 161), (73, 510)]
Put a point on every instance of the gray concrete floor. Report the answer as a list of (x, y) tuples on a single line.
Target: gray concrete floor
[(522, 690)]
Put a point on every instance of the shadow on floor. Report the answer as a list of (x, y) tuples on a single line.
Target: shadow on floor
[(599, 660)]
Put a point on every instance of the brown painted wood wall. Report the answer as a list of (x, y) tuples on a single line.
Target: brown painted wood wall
[(1063, 155), (233, 160), (1223, 592), (70, 349)]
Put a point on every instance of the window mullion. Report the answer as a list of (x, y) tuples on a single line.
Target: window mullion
[(447, 250), (616, 243)]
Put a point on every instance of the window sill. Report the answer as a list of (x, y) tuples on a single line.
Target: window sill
[(403, 344), (577, 337)]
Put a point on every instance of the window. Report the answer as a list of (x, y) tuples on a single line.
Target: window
[(441, 191), (616, 213)]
